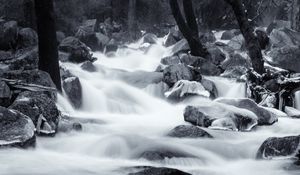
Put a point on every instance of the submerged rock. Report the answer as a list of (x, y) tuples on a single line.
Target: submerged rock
[(170, 60), (73, 89), (40, 109), (158, 171), (184, 88), (16, 129), (8, 35), (161, 154), (27, 37), (278, 147), (220, 116), (149, 38), (189, 131), (5, 94), (265, 117), (174, 73), (292, 112), (88, 66)]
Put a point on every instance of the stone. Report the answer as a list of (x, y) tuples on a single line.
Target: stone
[(40, 109), (111, 46), (174, 73), (170, 60), (159, 154), (237, 42), (237, 72), (278, 147), (236, 60), (284, 37), (184, 88), (228, 35), (60, 36), (158, 171), (206, 67), (8, 35), (210, 87), (180, 46), (149, 38), (73, 89), (169, 40), (27, 37), (16, 129), (24, 59), (277, 24), (292, 112), (207, 37), (189, 131), (5, 94), (88, 66), (216, 55), (141, 79), (187, 59), (265, 117)]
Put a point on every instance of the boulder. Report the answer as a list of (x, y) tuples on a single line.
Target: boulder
[(111, 46), (206, 67), (41, 109), (77, 51), (184, 88), (220, 116), (217, 56), (5, 55), (236, 72), (277, 24), (180, 46), (27, 37), (88, 66), (284, 37), (189, 131), (60, 36), (5, 94), (174, 73), (159, 154), (175, 32), (278, 147), (149, 38), (265, 117), (187, 59), (158, 171), (237, 42), (207, 37), (170, 60), (8, 35), (73, 89), (292, 112), (169, 40), (16, 129), (236, 60), (228, 34), (210, 87), (286, 57)]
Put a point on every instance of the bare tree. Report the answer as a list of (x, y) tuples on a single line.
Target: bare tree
[(247, 30), (48, 54), (188, 26), (132, 23)]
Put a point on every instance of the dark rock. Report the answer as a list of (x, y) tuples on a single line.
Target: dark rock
[(78, 51), (5, 94), (284, 37), (263, 38), (206, 67), (272, 85), (292, 112), (73, 89), (217, 56), (27, 37), (210, 87), (175, 32), (65, 73), (278, 147), (40, 108), (187, 59), (5, 55), (169, 40), (265, 117), (228, 35), (60, 36), (220, 117), (236, 60), (149, 38), (8, 35), (170, 60), (180, 46), (237, 42), (277, 24), (161, 154), (174, 73), (286, 57), (158, 171), (88, 66), (188, 131), (207, 37), (16, 129), (235, 72), (111, 46)]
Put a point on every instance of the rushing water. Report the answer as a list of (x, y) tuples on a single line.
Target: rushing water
[(133, 119)]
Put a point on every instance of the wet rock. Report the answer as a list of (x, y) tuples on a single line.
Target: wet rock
[(207, 37), (149, 38), (27, 37), (77, 51), (5, 94), (264, 116), (206, 67), (111, 46), (158, 171), (284, 37), (88, 66), (141, 79), (189, 131), (65, 73), (161, 154), (60, 36), (187, 59), (217, 56), (277, 24), (184, 88), (237, 42), (16, 129), (278, 147), (263, 38), (286, 57), (228, 34), (8, 35), (5, 55), (236, 60), (40, 109), (236, 72), (170, 60), (73, 89), (169, 40), (292, 112), (220, 117), (210, 87), (174, 73), (180, 46)]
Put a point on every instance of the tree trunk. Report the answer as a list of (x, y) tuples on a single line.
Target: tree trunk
[(48, 54), (189, 29), (132, 23), (249, 35), (29, 16), (295, 16)]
